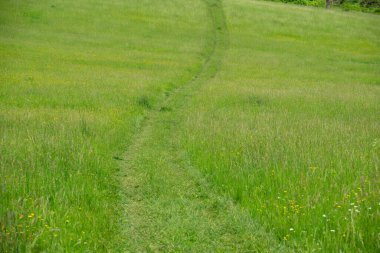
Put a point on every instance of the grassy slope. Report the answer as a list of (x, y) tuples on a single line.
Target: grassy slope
[(77, 78), (169, 206), (290, 126)]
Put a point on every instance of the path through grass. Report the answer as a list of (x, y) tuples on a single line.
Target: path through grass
[(169, 206), (289, 128), (76, 80), (249, 127)]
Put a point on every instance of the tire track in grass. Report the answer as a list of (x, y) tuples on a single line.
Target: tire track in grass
[(168, 205)]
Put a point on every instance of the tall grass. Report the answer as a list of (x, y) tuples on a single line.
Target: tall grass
[(77, 78), (287, 125), (289, 128)]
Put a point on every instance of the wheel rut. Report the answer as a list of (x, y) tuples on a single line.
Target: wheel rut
[(167, 204)]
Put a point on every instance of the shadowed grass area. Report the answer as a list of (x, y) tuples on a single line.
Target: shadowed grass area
[(77, 78)]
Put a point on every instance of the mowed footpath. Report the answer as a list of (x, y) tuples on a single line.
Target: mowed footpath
[(169, 205), (283, 122), (289, 127), (77, 79), (188, 126)]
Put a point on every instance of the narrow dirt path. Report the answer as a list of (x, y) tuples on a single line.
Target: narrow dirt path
[(169, 207)]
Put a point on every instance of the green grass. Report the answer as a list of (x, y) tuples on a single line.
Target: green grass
[(188, 126), (169, 206), (77, 78), (289, 127)]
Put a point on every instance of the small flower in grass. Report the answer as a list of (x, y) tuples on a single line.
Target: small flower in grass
[(332, 230), (324, 216), (291, 229), (31, 215)]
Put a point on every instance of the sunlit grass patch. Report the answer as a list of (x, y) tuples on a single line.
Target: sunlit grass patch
[(289, 128), (77, 78)]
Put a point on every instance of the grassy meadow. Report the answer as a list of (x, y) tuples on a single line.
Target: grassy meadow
[(188, 126), (77, 78), (290, 126)]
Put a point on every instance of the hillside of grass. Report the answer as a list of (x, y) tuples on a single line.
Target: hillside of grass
[(77, 78), (289, 127), (188, 126)]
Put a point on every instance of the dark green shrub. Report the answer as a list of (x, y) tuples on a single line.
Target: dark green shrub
[(370, 3)]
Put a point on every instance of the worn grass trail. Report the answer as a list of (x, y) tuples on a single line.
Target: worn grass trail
[(289, 127), (76, 79), (169, 206)]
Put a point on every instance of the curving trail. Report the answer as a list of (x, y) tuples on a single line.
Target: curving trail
[(169, 206)]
